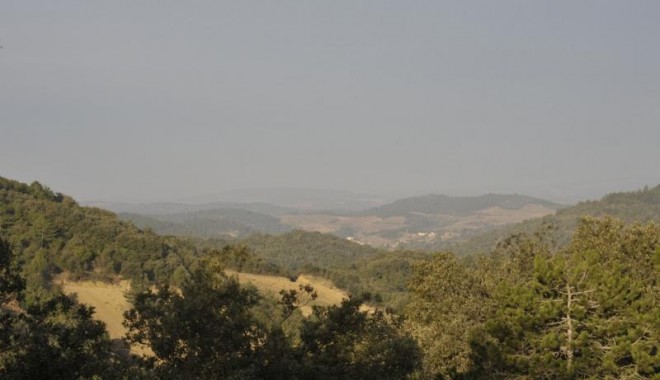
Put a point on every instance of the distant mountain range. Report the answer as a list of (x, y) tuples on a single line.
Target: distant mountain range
[(414, 220)]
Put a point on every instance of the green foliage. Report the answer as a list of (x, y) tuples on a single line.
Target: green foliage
[(239, 257), (208, 330), (539, 306), (204, 331), (384, 275), (56, 339), (342, 342), (637, 206), (52, 339), (589, 310), (50, 234), (10, 282), (356, 268), (296, 250), (449, 301), (592, 310)]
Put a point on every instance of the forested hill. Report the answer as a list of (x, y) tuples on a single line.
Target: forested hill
[(350, 266), (444, 204), (298, 250), (50, 233), (635, 206)]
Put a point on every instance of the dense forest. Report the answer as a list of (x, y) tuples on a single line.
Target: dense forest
[(357, 268), (588, 310), (533, 306), (50, 234)]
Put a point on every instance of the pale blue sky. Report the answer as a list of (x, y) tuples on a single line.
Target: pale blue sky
[(140, 100)]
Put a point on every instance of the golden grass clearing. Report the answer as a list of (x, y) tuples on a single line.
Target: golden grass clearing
[(109, 300), (271, 285)]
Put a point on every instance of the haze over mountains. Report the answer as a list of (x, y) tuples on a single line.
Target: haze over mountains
[(406, 221), (497, 225), (271, 201)]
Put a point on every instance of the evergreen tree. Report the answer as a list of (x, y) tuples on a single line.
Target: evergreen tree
[(590, 311)]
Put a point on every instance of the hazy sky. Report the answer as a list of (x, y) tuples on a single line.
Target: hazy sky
[(139, 100)]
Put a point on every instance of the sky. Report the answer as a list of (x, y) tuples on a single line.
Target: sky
[(162, 100)]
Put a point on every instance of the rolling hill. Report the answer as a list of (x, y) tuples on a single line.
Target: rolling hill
[(430, 220), (415, 222), (634, 206), (50, 233), (301, 251), (53, 236)]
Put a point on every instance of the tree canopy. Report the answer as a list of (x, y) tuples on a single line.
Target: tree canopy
[(590, 310)]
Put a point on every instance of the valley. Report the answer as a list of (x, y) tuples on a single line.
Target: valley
[(418, 222), (329, 190)]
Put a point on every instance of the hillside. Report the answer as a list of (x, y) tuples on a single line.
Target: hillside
[(417, 222), (50, 233), (301, 251), (431, 220), (350, 266), (634, 206)]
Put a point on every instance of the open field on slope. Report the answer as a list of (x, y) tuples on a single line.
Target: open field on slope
[(109, 303), (271, 285), (109, 300)]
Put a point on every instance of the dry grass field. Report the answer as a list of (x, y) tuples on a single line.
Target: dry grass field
[(110, 302), (327, 293)]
